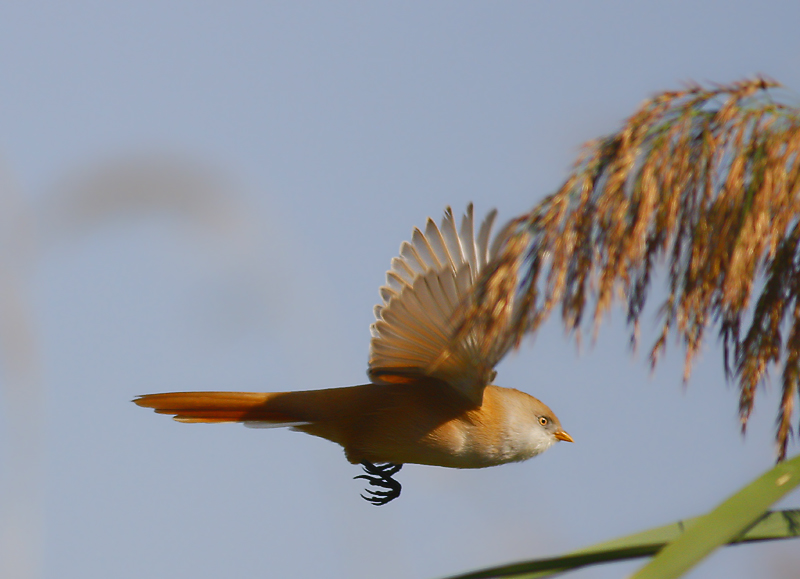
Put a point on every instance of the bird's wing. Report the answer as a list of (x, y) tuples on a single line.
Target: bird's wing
[(425, 287)]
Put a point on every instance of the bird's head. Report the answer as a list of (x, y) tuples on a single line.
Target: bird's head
[(532, 425)]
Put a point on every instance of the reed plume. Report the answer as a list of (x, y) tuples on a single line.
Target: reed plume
[(704, 180)]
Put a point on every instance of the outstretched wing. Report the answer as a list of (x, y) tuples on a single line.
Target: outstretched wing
[(412, 334)]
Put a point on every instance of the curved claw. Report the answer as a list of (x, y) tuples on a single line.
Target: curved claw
[(376, 501), (381, 476), (379, 498)]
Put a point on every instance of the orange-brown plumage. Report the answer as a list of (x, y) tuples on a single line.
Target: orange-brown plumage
[(423, 422), (430, 401)]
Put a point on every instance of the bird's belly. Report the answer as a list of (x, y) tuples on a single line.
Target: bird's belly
[(425, 423), (453, 444)]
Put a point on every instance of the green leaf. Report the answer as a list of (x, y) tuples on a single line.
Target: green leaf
[(741, 518), (723, 524), (773, 526)]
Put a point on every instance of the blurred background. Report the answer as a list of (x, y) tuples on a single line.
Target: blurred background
[(203, 196)]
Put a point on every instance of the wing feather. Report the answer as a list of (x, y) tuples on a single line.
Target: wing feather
[(438, 245), (453, 242), (425, 289), (467, 239), (482, 242), (403, 271)]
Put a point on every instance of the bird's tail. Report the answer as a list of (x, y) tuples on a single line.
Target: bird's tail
[(263, 409)]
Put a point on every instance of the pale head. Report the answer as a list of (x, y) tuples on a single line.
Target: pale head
[(532, 425)]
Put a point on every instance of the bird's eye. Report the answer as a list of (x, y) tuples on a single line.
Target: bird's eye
[(543, 420)]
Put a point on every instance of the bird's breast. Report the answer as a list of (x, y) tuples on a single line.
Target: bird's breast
[(435, 426)]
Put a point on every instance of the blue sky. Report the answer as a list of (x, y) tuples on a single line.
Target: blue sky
[(199, 196)]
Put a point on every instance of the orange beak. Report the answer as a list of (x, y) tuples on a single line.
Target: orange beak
[(562, 435)]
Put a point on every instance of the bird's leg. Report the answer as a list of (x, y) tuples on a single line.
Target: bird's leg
[(380, 475)]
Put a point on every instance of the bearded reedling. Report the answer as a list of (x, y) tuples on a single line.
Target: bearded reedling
[(429, 400)]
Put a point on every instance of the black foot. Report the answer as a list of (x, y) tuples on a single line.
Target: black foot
[(381, 476)]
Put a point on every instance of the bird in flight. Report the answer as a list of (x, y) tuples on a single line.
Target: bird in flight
[(430, 399)]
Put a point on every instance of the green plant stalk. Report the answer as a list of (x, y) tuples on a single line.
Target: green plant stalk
[(743, 517), (724, 524), (773, 526)]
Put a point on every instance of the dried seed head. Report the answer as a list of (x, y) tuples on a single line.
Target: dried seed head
[(707, 180)]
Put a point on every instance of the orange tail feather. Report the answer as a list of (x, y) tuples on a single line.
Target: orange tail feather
[(218, 407)]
